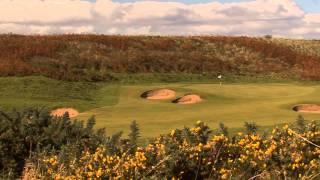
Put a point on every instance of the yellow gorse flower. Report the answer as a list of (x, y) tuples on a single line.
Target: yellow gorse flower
[(220, 156)]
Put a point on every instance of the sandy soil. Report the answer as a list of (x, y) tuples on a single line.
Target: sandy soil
[(188, 99), (307, 108), (159, 94), (61, 111)]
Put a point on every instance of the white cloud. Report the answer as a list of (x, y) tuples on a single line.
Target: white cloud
[(312, 18), (46, 11), (259, 17)]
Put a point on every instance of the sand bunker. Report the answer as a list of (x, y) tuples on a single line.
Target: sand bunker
[(159, 94), (61, 111), (188, 99), (307, 108)]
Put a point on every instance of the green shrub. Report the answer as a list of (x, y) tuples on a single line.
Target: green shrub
[(25, 134)]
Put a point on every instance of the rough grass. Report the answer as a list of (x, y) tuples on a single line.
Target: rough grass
[(151, 78), (21, 92)]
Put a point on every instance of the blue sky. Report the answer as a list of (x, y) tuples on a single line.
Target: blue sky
[(310, 6)]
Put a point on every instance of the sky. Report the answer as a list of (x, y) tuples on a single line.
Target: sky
[(307, 5), (281, 18)]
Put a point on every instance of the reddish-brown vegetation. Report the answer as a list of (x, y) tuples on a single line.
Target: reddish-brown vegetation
[(95, 57)]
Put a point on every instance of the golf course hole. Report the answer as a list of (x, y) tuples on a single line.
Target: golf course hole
[(61, 111), (188, 99), (159, 94), (307, 108)]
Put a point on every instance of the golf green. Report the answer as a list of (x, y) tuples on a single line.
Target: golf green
[(233, 104)]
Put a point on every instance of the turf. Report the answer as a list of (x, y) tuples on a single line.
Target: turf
[(116, 105), (232, 104)]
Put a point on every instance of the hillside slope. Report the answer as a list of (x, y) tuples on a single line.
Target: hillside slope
[(97, 57), (25, 92)]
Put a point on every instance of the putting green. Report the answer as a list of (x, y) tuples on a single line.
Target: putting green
[(232, 104)]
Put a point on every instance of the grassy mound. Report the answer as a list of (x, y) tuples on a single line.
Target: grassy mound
[(20, 92)]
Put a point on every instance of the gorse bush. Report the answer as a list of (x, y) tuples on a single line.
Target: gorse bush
[(34, 144), (191, 153), (26, 134)]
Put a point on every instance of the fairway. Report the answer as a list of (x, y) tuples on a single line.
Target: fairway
[(116, 105), (232, 104)]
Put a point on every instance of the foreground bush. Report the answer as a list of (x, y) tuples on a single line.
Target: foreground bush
[(36, 145), (287, 152), (30, 133)]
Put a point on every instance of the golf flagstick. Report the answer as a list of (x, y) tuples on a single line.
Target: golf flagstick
[(220, 77)]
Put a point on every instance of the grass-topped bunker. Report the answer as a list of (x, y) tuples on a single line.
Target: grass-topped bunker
[(188, 99), (307, 108), (158, 94)]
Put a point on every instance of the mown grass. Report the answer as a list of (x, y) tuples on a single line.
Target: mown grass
[(266, 101), (265, 104)]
